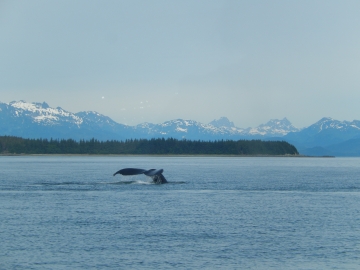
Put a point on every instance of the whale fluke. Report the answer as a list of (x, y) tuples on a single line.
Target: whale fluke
[(155, 174), (130, 171)]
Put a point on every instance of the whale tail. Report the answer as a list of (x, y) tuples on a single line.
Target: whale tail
[(156, 175)]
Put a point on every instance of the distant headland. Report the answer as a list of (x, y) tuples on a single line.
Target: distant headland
[(11, 145)]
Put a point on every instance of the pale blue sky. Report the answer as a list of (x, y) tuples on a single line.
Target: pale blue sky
[(152, 61)]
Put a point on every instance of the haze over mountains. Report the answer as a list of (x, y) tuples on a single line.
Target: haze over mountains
[(38, 120)]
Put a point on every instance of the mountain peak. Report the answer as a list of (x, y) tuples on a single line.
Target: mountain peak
[(222, 122), (43, 105), (325, 119), (274, 127)]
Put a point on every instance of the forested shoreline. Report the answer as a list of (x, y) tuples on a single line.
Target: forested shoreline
[(17, 145)]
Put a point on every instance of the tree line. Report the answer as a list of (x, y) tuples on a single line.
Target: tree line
[(17, 145)]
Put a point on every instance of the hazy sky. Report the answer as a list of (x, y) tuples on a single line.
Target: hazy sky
[(152, 61)]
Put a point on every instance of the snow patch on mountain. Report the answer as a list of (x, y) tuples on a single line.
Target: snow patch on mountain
[(181, 129)]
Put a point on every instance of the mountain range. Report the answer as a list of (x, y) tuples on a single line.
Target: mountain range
[(38, 120)]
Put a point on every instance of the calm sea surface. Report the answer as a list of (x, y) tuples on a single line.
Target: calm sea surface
[(216, 213)]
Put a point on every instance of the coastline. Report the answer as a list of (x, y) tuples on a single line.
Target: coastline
[(170, 155)]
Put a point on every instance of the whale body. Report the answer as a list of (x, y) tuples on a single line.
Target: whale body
[(155, 174)]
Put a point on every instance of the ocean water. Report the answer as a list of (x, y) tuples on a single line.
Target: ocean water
[(60, 212)]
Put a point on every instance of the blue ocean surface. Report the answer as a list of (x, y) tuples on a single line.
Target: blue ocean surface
[(69, 212)]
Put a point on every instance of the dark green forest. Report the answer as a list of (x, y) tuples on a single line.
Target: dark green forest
[(16, 145)]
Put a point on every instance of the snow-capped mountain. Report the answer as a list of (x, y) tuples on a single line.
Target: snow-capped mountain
[(274, 128), (42, 114), (222, 122), (326, 131), (96, 118), (327, 124), (39, 120)]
